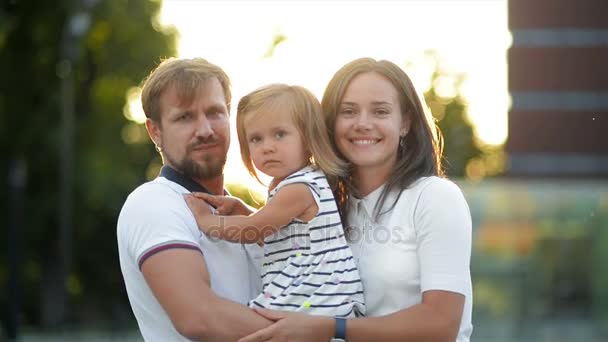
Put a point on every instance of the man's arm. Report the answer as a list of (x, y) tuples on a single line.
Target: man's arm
[(180, 281)]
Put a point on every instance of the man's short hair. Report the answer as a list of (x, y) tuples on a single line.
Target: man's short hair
[(187, 75)]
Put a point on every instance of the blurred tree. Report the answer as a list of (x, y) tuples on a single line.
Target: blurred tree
[(121, 44), (248, 196), (444, 97)]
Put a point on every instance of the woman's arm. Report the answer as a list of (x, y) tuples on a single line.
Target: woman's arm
[(291, 201), (437, 318)]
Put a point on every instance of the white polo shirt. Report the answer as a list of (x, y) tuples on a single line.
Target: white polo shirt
[(423, 243), (154, 218)]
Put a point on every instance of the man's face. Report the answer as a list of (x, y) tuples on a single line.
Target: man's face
[(194, 137)]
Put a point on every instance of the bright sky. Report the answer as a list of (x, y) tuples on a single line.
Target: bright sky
[(470, 36)]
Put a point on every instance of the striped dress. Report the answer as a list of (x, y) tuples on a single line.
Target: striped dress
[(308, 266)]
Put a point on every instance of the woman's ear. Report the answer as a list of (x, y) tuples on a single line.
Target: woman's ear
[(405, 126)]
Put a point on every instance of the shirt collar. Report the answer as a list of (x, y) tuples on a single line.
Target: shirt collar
[(176, 177), (367, 203)]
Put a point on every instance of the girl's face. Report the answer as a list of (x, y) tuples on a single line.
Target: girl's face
[(275, 145), (369, 124)]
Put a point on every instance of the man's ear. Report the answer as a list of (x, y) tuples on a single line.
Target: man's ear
[(153, 129)]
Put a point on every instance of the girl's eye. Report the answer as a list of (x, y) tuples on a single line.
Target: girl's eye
[(254, 140), (279, 134), (382, 112), (183, 116)]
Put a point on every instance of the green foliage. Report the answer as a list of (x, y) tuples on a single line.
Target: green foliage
[(248, 196), (277, 39), (599, 257), (450, 110), (120, 47)]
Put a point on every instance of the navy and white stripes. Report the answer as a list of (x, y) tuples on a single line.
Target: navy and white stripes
[(308, 266)]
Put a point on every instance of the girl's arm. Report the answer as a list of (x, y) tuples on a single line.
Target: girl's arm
[(291, 201), (226, 205)]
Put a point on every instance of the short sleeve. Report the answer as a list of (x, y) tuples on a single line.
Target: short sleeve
[(156, 218), (313, 179), (443, 235)]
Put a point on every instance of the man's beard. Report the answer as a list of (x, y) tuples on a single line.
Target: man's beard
[(209, 168)]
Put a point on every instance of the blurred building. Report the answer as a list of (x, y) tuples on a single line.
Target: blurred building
[(558, 80)]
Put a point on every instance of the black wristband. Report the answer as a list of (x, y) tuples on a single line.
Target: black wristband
[(340, 328)]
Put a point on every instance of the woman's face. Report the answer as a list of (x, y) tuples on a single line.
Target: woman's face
[(369, 124)]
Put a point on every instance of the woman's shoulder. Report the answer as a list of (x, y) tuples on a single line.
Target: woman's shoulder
[(432, 189), (437, 192), (435, 183)]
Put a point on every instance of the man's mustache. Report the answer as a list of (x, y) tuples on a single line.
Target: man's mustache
[(201, 142)]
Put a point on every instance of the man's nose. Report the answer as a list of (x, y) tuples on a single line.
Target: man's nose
[(204, 128)]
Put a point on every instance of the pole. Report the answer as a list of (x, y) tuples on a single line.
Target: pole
[(16, 180)]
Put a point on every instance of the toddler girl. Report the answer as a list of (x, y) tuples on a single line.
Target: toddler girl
[(307, 265)]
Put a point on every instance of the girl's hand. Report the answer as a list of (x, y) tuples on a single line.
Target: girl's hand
[(225, 205), (293, 327), (201, 210)]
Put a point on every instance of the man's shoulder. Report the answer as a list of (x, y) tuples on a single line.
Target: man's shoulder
[(158, 185), (155, 196), (156, 212), (158, 189)]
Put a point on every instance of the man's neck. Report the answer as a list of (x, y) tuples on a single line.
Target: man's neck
[(214, 185)]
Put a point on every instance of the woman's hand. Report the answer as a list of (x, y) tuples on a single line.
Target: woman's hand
[(225, 205), (293, 327)]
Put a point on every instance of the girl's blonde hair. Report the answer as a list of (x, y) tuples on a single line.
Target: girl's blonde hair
[(305, 111)]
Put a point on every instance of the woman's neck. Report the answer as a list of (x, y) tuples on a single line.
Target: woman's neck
[(368, 180)]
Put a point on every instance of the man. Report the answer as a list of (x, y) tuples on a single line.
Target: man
[(182, 285)]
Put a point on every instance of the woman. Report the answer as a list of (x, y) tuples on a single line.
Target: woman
[(410, 230)]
